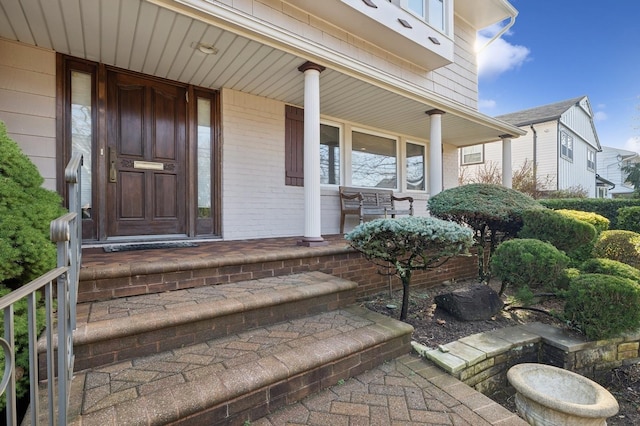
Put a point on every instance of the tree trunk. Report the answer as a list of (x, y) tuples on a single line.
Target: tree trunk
[(406, 280)]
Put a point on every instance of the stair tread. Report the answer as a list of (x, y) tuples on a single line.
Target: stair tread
[(117, 317), (221, 369)]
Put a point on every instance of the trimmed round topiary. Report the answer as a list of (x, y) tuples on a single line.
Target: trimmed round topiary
[(629, 218), (573, 236), (528, 263), (623, 246), (603, 306), (600, 222), (610, 267)]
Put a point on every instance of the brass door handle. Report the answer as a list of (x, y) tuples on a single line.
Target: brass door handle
[(113, 173)]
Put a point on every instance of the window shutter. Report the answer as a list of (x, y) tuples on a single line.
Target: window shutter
[(294, 146)]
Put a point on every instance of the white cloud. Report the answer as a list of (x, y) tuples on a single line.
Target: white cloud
[(485, 104), (633, 144), (500, 56), (600, 116)]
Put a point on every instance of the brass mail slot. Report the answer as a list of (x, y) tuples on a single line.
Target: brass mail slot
[(148, 165)]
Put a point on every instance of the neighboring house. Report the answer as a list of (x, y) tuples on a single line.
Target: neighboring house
[(610, 163), (192, 115), (561, 146)]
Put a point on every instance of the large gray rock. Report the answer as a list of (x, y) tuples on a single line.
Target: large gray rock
[(476, 303)]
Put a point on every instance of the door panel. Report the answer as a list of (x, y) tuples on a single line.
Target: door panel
[(146, 138)]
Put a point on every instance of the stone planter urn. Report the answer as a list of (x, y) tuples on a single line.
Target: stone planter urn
[(547, 395)]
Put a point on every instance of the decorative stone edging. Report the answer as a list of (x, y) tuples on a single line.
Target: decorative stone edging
[(482, 360)]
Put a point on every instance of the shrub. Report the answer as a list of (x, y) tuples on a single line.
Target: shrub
[(492, 211), (629, 218), (528, 263), (570, 235), (603, 306), (606, 207), (408, 244), (610, 267), (600, 222), (623, 246), (26, 209)]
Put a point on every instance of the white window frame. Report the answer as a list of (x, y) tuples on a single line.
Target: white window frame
[(341, 132), (405, 156), (463, 162), (591, 159), (566, 145), (349, 148), (447, 18)]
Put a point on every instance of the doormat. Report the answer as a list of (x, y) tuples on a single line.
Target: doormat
[(147, 246)]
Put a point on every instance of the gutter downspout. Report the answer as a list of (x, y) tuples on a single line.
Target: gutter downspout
[(512, 20)]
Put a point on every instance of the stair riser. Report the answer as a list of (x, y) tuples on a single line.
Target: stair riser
[(135, 346), (261, 402)]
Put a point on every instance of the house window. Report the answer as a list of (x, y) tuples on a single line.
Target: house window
[(591, 160), (329, 155), (434, 12), (566, 145), (472, 154), (373, 161), (415, 167)]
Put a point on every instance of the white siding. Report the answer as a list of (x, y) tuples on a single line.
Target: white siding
[(457, 81), (27, 103), (573, 174)]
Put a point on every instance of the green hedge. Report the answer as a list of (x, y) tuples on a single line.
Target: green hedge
[(629, 218), (602, 206), (603, 306)]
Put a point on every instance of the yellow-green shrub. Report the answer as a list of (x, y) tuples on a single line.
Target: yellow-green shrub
[(600, 222), (623, 246)]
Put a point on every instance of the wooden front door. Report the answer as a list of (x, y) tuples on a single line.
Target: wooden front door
[(146, 156)]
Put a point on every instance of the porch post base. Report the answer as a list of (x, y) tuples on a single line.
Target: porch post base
[(313, 242)]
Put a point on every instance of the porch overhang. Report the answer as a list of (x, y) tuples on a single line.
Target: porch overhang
[(160, 38)]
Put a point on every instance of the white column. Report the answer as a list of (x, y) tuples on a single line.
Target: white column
[(312, 209), (435, 152), (507, 168)]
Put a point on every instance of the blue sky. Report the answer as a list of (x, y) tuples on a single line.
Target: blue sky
[(562, 49)]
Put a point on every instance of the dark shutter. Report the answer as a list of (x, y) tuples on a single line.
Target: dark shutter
[(294, 146)]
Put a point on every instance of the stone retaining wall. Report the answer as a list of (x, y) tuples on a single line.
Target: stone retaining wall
[(482, 360)]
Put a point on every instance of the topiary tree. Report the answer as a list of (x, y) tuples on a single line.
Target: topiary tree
[(26, 209), (574, 237), (623, 246), (610, 267), (408, 244), (629, 218), (492, 211), (603, 306), (528, 265)]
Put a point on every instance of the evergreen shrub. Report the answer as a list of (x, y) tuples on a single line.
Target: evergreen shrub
[(623, 246), (610, 267), (600, 222), (629, 218), (573, 236), (607, 207), (603, 306), (529, 263)]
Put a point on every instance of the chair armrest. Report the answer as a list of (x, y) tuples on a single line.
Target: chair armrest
[(351, 197), (409, 199)]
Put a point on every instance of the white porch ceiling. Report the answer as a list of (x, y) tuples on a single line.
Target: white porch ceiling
[(147, 38)]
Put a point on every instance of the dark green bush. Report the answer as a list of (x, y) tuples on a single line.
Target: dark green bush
[(606, 207), (26, 210), (629, 218), (603, 306), (623, 246), (492, 211), (528, 263), (573, 236), (600, 222), (610, 267)]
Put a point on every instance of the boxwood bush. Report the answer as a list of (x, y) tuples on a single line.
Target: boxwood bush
[(629, 218), (574, 237), (610, 267), (528, 264), (603, 306), (606, 207), (623, 246)]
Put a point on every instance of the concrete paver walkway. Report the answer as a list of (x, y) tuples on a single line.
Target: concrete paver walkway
[(405, 391)]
